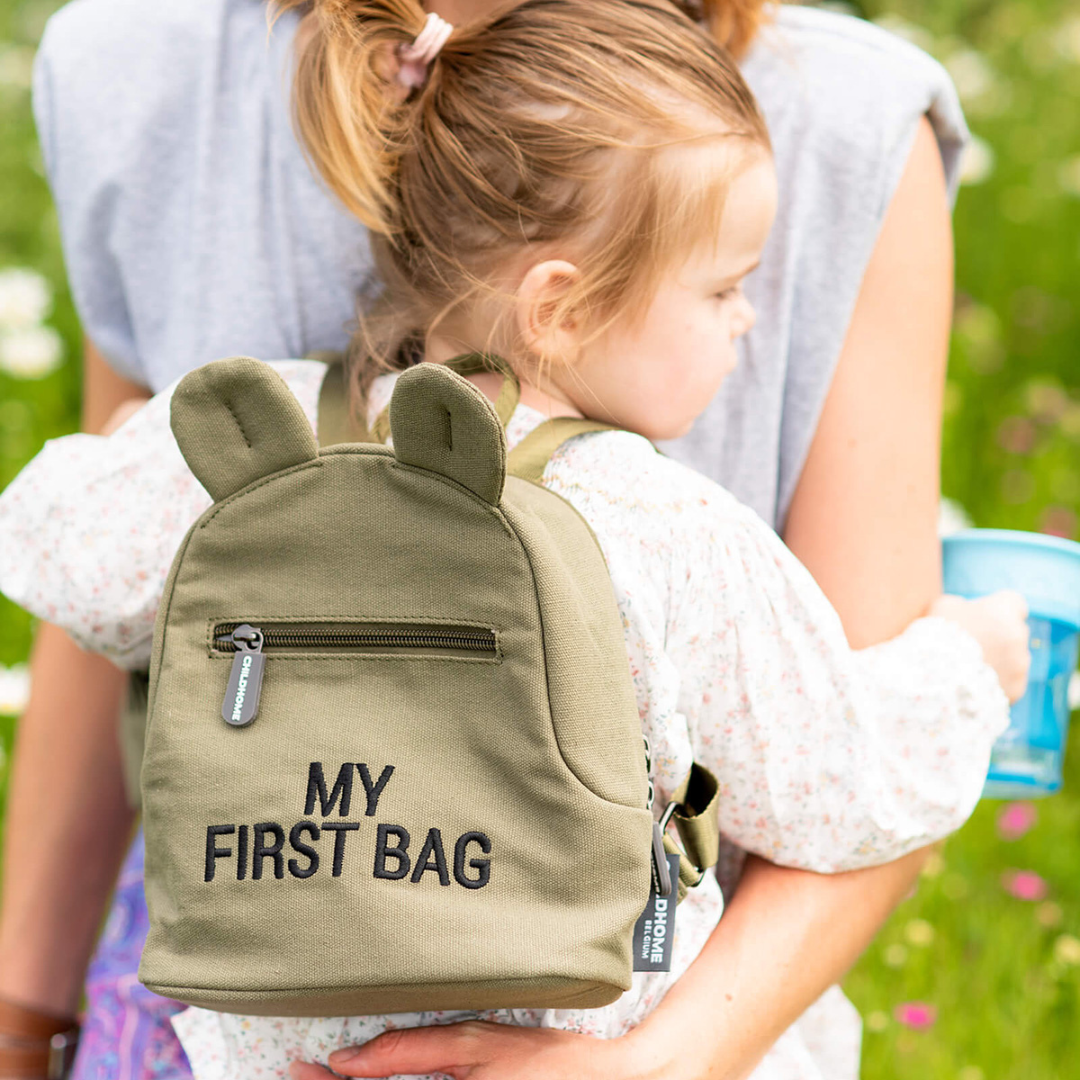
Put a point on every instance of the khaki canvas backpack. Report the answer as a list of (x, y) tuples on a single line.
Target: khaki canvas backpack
[(393, 760)]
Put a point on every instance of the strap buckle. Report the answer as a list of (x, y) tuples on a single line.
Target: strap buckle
[(661, 871), (667, 815)]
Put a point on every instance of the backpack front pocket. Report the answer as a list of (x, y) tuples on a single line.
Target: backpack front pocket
[(251, 645)]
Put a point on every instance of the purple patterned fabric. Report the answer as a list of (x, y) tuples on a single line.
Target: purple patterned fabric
[(126, 1032)]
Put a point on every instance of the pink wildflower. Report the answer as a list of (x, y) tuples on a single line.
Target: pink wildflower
[(1024, 884), (916, 1015), (1016, 819), (1058, 521), (1016, 435)]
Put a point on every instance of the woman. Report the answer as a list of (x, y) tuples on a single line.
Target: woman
[(193, 229)]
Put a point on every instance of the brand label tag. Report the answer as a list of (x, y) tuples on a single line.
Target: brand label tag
[(245, 685), (655, 929)]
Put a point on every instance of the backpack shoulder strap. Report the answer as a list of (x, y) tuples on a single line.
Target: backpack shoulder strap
[(693, 807), (530, 457), (336, 424)]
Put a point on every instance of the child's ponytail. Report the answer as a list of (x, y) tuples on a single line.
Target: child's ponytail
[(350, 109), (547, 125)]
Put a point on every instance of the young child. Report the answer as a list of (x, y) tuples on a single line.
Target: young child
[(579, 186)]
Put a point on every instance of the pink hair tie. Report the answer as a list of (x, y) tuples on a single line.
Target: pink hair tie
[(416, 57)]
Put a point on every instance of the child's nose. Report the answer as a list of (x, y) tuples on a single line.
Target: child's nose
[(744, 319)]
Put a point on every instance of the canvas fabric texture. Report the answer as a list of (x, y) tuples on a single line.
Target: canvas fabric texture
[(518, 793)]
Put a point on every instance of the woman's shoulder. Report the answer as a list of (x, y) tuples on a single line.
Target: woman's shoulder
[(830, 52), (837, 87), (87, 39), (192, 224), (118, 70), (834, 33), (101, 32)]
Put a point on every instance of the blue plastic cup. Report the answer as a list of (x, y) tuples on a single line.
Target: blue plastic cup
[(1027, 760)]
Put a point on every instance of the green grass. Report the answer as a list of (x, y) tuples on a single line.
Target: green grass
[(996, 969)]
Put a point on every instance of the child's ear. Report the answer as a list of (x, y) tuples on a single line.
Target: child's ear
[(547, 325)]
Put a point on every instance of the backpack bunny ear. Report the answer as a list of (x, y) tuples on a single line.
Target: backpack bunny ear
[(442, 423), (235, 421)]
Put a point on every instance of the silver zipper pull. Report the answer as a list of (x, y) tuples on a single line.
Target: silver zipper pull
[(661, 873), (245, 680)]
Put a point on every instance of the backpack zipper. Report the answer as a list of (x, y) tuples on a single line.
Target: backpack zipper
[(247, 644), (358, 638)]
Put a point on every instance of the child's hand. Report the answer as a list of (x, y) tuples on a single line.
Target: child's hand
[(999, 623)]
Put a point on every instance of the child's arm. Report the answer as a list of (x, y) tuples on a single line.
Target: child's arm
[(829, 758), (89, 529)]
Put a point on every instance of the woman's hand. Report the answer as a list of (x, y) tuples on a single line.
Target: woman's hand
[(476, 1050)]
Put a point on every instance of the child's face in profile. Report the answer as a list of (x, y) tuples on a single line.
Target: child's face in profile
[(656, 375)]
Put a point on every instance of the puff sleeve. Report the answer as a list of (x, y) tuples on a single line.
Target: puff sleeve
[(89, 528), (830, 758)]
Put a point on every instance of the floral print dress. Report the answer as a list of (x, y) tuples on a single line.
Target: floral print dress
[(829, 759)]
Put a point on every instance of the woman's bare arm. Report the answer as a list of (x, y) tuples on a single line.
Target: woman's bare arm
[(864, 516), (787, 936), (104, 391), (68, 823)]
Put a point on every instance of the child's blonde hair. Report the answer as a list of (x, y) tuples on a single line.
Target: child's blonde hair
[(549, 122)]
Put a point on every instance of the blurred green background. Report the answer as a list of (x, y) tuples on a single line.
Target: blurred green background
[(978, 976)]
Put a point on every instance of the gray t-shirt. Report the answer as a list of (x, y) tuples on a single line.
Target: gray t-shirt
[(194, 229)]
